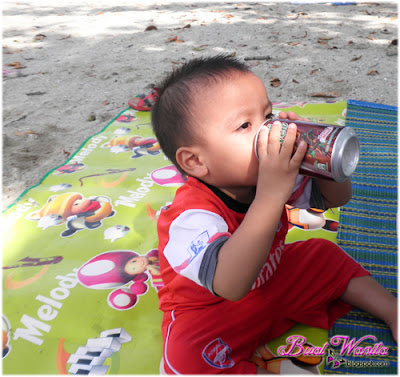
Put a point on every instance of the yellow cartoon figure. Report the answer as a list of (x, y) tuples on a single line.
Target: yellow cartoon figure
[(138, 145), (73, 209)]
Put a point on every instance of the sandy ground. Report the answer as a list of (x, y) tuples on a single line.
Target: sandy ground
[(71, 66)]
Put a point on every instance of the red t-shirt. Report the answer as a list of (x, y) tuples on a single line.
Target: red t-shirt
[(193, 229)]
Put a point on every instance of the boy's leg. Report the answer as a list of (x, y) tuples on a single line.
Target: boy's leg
[(308, 283), (206, 342), (366, 293), (329, 276)]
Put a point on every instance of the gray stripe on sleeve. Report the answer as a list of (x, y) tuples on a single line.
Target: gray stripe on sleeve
[(209, 263)]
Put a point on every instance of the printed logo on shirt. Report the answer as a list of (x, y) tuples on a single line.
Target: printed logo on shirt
[(198, 244), (270, 266), (216, 354)]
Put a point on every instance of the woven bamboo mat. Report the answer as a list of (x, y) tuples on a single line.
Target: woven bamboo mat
[(367, 231)]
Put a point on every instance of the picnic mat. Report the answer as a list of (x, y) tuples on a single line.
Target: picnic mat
[(367, 230), (69, 304)]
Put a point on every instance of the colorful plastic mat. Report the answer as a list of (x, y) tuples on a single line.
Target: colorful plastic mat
[(70, 304), (368, 233)]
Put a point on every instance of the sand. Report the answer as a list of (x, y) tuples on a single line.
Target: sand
[(69, 67)]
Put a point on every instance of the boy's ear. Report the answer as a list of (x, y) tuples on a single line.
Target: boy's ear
[(189, 159)]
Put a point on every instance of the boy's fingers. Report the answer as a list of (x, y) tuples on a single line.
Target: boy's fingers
[(262, 141), (274, 144), (294, 116), (290, 115), (298, 156), (282, 115), (288, 142)]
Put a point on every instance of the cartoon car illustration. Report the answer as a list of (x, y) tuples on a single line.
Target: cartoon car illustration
[(73, 209)]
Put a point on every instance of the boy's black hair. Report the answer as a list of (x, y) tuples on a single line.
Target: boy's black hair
[(172, 116)]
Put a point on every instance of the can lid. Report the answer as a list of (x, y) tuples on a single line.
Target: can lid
[(345, 154), (256, 137)]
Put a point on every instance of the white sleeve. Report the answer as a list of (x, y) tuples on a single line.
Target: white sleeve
[(190, 234)]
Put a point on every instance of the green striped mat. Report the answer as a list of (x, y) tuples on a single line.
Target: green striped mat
[(368, 233)]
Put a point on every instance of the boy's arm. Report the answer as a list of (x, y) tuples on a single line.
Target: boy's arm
[(335, 194), (243, 255)]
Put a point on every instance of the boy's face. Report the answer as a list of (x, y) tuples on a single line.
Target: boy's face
[(228, 115)]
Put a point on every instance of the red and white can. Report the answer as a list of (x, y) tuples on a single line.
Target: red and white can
[(333, 151)]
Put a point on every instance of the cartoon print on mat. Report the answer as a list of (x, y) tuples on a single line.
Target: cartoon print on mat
[(153, 214), (116, 232), (72, 167), (139, 146), (73, 209), (60, 187), (120, 174), (265, 359), (6, 335), (122, 131), (124, 271), (32, 274), (34, 262), (90, 358), (127, 118), (168, 176), (309, 219)]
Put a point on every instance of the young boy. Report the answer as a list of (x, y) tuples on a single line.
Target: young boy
[(231, 284)]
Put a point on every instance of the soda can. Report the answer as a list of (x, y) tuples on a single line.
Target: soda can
[(333, 151)]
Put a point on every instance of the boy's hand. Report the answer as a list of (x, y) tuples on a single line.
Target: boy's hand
[(278, 168), (335, 194), (290, 116)]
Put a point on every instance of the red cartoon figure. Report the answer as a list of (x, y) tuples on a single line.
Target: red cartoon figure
[(126, 118), (123, 271), (73, 209), (72, 167)]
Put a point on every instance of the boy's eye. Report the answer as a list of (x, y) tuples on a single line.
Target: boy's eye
[(245, 125), (269, 116)]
